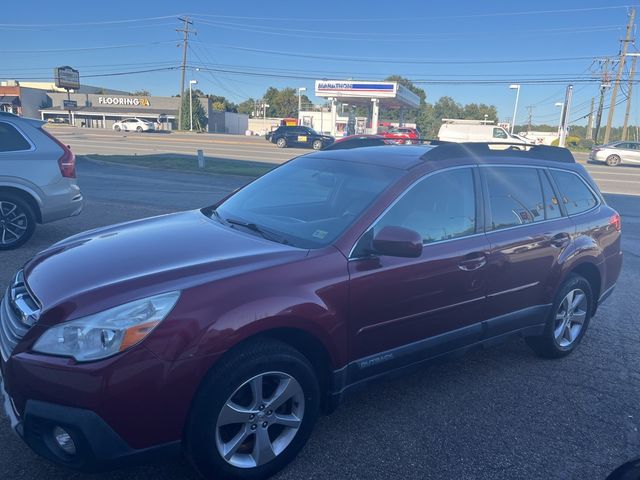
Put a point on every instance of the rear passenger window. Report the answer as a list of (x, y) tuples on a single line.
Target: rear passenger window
[(441, 207), (11, 140), (551, 205), (515, 196), (575, 194)]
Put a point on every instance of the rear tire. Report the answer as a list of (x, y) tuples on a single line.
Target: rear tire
[(229, 415), (281, 143), (613, 160), (568, 320), (17, 221)]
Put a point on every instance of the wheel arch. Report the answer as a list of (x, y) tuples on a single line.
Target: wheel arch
[(27, 197), (308, 344), (591, 273)]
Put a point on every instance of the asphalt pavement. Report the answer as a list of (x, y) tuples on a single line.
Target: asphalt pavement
[(88, 141), (500, 413)]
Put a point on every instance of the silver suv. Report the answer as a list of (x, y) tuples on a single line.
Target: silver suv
[(616, 153), (37, 179)]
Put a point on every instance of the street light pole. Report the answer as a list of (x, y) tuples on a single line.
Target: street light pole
[(300, 90), (264, 116), (559, 104), (191, 84), (515, 108)]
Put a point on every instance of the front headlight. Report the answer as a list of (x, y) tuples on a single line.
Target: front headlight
[(106, 333)]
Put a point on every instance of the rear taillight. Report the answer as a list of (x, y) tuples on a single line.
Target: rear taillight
[(67, 162), (616, 222)]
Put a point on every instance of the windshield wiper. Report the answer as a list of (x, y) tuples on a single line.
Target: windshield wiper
[(214, 213), (259, 230)]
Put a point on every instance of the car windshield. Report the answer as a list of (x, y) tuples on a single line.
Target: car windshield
[(308, 202)]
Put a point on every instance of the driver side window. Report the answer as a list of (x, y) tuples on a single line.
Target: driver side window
[(499, 133), (440, 207)]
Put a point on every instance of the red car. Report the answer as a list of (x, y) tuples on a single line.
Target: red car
[(402, 135), (224, 332)]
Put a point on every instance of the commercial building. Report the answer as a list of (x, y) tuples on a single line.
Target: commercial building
[(96, 107)]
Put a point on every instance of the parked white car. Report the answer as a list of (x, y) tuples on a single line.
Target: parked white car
[(134, 125)]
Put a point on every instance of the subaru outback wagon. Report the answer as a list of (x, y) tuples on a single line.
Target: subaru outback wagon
[(224, 332)]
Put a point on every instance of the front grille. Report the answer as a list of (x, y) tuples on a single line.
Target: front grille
[(18, 312)]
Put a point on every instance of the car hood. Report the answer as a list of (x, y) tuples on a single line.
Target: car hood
[(149, 256)]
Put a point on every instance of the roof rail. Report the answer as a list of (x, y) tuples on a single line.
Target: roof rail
[(499, 150), (7, 114)]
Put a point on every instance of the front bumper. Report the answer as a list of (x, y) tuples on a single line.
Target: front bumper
[(98, 446)]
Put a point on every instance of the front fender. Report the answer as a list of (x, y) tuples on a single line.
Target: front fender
[(255, 318)]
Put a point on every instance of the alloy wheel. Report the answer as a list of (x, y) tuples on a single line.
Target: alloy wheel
[(570, 317), (260, 419), (13, 223)]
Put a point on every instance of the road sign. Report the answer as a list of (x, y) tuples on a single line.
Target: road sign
[(67, 77), (69, 104)]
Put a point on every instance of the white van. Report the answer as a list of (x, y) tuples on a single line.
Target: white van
[(453, 130)]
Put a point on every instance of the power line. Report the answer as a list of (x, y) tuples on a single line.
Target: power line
[(110, 74), (85, 49), (395, 60), (390, 37), (107, 22), (383, 18)]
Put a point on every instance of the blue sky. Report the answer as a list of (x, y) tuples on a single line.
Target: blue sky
[(348, 39)]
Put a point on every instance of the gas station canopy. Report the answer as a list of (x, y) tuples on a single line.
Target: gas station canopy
[(389, 94)]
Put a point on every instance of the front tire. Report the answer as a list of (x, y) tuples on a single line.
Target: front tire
[(613, 160), (139, 129), (117, 128), (253, 413), (17, 221), (281, 143), (568, 320), (317, 145)]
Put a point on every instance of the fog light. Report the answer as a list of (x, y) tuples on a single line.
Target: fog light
[(64, 441)]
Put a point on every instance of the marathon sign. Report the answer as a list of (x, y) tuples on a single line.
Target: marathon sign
[(124, 101), (347, 88)]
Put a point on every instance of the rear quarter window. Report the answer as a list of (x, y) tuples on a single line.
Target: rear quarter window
[(574, 193), (11, 140)]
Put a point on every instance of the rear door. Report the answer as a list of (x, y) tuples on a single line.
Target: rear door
[(437, 298), (528, 233)]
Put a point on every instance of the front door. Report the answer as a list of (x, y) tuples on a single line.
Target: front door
[(407, 309)]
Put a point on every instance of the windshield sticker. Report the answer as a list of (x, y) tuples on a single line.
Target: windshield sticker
[(320, 234)]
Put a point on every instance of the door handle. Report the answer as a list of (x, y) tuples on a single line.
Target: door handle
[(560, 240), (472, 261)]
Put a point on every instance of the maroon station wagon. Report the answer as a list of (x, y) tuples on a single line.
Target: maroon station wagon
[(224, 332)]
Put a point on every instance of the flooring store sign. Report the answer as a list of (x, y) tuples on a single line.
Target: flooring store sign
[(124, 101)]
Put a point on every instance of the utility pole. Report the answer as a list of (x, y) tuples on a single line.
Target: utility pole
[(530, 116), (603, 88), (564, 119), (185, 45), (630, 90), (589, 132), (616, 84)]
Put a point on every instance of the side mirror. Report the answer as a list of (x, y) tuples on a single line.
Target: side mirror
[(398, 242)]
